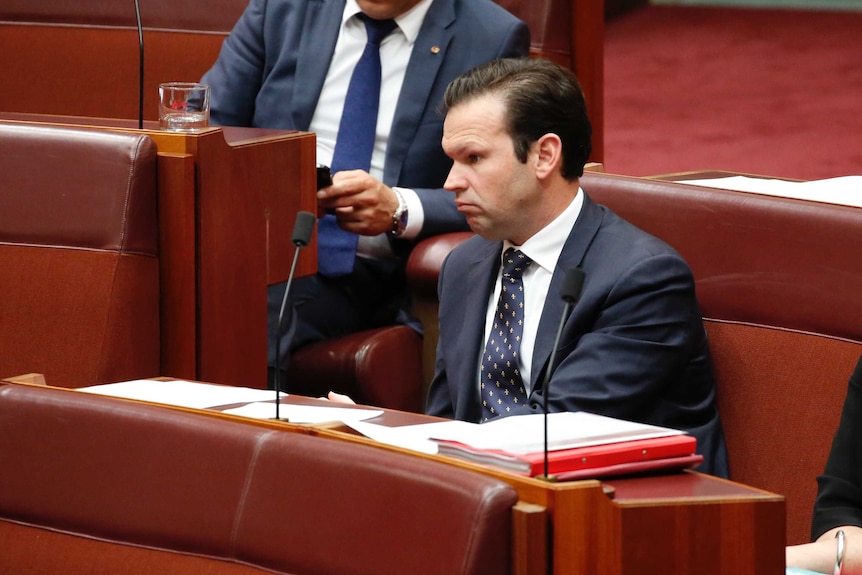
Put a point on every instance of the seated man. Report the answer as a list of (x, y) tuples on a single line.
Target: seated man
[(290, 64), (634, 346)]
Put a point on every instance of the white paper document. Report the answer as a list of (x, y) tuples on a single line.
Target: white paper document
[(182, 393), (304, 413), (525, 433), (517, 434), (845, 190), (414, 437)]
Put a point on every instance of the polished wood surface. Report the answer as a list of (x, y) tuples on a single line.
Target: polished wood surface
[(86, 70), (227, 238)]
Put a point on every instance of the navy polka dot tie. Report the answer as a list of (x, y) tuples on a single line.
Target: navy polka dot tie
[(502, 386)]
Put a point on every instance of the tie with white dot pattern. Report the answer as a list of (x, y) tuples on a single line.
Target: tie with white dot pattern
[(502, 386)]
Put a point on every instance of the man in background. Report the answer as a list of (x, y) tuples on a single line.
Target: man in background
[(289, 64), (634, 346)]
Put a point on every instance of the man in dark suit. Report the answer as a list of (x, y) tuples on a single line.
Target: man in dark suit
[(634, 346), (287, 65)]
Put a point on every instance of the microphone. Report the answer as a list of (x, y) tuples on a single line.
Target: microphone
[(570, 292), (302, 229), (140, 66)]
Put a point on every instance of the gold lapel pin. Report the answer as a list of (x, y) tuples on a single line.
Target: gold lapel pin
[(435, 49)]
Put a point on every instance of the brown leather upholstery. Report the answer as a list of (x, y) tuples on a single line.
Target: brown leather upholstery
[(423, 266), (779, 284), (79, 278), (778, 280), (381, 367), (756, 258), (96, 485)]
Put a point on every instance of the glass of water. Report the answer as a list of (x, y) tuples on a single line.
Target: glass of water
[(184, 106)]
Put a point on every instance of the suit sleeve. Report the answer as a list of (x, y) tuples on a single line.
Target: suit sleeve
[(624, 344), (839, 495), (236, 77), (440, 401)]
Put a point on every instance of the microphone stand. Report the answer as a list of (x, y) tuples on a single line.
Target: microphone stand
[(140, 66), (301, 235), (570, 292)]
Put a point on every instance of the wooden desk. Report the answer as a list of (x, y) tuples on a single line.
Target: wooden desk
[(672, 524), (678, 523), (228, 199)]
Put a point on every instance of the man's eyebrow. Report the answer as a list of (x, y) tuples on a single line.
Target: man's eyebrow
[(464, 145)]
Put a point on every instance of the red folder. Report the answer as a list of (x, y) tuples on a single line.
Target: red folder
[(663, 465), (594, 457)]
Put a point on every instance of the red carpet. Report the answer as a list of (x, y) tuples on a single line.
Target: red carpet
[(772, 92)]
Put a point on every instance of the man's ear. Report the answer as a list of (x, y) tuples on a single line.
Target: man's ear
[(549, 155)]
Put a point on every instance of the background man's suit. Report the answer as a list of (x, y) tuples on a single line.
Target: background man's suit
[(276, 83), (634, 347)]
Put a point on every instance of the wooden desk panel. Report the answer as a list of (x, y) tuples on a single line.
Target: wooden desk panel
[(249, 185)]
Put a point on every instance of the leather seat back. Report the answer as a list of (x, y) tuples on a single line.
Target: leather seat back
[(79, 294), (122, 484)]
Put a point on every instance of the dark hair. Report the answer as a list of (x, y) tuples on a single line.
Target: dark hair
[(541, 98)]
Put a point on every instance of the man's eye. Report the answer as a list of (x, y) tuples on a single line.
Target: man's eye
[(473, 158)]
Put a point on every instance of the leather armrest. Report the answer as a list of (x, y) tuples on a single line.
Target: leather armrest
[(380, 367), (423, 266)]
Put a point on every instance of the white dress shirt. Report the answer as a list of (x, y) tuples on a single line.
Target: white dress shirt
[(395, 51), (544, 248)]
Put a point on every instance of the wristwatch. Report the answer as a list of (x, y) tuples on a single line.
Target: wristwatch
[(399, 216)]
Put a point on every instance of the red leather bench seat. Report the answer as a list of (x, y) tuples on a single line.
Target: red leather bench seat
[(79, 268), (93, 484)]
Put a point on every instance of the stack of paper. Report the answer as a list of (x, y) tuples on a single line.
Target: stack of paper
[(580, 445)]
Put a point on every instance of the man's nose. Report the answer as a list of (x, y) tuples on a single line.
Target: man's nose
[(454, 181)]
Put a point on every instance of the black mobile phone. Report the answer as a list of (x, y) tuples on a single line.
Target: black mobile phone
[(324, 176)]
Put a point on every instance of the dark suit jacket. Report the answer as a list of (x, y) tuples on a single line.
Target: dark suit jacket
[(839, 493), (273, 65), (634, 346)]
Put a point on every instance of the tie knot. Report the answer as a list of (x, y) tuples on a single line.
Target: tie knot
[(377, 30), (515, 263)]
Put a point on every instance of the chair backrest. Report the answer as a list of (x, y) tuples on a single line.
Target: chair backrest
[(122, 484), (82, 58), (778, 281), (79, 269)]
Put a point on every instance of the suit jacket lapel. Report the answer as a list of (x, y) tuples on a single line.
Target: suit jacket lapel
[(429, 53), (479, 284), (579, 240), (321, 28)]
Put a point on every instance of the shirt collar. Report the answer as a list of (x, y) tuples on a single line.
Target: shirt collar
[(545, 246)]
